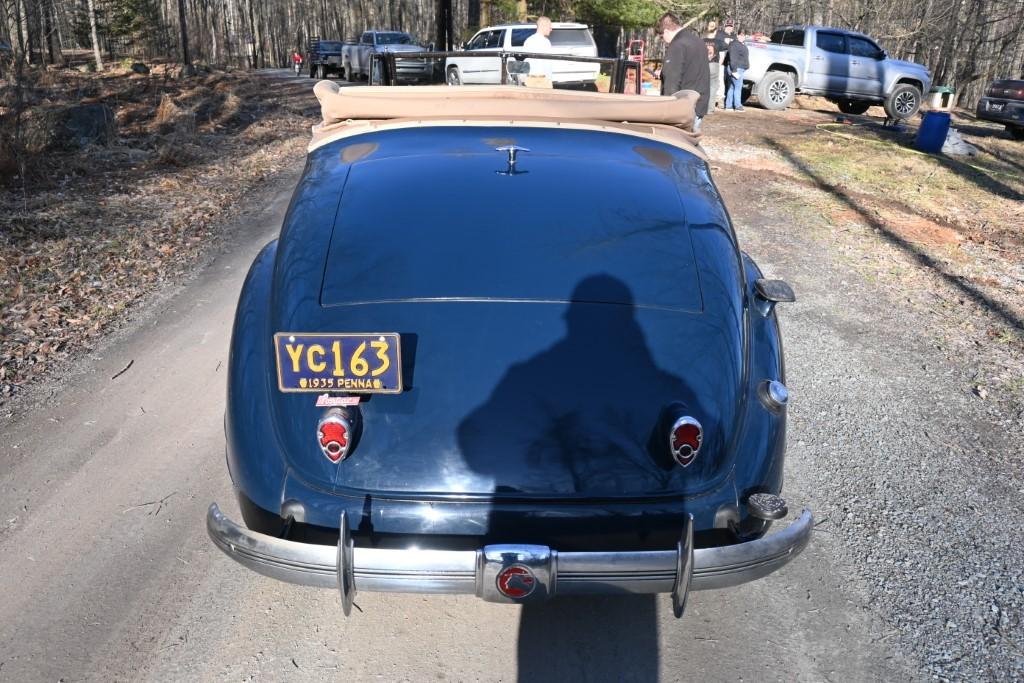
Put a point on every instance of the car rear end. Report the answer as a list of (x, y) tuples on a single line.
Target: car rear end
[(1004, 103), (575, 40), (577, 410), (328, 56)]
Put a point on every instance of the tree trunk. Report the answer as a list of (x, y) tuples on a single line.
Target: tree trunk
[(95, 39), (31, 20), (184, 36), (47, 9)]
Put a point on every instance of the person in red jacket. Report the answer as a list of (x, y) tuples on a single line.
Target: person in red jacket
[(297, 62)]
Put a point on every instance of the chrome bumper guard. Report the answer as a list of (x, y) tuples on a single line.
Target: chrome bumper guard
[(508, 573)]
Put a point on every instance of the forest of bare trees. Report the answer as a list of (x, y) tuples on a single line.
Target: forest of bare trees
[(965, 43)]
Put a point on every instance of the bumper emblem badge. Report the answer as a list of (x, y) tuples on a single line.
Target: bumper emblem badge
[(516, 581)]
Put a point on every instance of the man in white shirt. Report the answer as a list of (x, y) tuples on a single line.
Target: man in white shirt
[(539, 42)]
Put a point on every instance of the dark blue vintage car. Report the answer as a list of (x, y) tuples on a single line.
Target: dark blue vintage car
[(507, 345)]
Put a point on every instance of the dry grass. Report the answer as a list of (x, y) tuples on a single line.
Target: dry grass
[(981, 197)]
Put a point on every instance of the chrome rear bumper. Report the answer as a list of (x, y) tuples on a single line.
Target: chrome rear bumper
[(349, 568)]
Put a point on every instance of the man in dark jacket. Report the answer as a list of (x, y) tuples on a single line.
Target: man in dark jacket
[(737, 62), (686, 63)]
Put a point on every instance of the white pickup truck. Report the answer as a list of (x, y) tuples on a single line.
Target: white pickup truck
[(846, 67)]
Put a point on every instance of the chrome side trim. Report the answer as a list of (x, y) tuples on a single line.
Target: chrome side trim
[(415, 571), (302, 563), (443, 571), (732, 565)]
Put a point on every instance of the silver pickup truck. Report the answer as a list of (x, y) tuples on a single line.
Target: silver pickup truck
[(846, 67), (356, 56)]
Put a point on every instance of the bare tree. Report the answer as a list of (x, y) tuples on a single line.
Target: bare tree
[(95, 39), (184, 35), (965, 43)]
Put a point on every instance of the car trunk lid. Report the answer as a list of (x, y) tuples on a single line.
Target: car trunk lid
[(541, 347)]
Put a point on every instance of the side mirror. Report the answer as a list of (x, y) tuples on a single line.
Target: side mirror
[(771, 292)]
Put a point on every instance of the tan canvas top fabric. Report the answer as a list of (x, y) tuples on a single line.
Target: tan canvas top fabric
[(351, 110)]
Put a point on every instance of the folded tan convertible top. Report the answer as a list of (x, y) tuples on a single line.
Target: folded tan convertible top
[(354, 110)]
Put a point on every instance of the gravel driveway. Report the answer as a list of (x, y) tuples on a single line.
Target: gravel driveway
[(898, 440), (916, 478)]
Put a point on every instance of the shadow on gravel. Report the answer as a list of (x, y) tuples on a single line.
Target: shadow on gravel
[(589, 639), (969, 290), (983, 180), (999, 155), (907, 138)]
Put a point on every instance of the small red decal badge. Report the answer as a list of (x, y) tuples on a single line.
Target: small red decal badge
[(328, 401), (685, 440), (516, 581)]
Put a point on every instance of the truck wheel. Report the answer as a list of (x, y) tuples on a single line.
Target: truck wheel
[(453, 76), (312, 70), (776, 90), (853, 106), (1016, 131), (903, 102)]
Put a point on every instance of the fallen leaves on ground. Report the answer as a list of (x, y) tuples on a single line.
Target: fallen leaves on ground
[(91, 232)]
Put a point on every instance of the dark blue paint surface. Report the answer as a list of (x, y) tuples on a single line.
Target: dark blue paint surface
[(551, 322)]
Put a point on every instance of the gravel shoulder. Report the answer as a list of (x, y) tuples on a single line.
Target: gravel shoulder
[(906, 422)]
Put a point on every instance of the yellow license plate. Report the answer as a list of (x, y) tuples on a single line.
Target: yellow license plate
[(360, 363)]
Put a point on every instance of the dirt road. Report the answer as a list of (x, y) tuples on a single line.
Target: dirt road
[(106, 572)]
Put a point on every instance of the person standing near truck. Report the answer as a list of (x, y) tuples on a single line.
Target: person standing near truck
[(737, 62), (722, 39), (539, 42), (686, 63), (714, 73), (297, 62)]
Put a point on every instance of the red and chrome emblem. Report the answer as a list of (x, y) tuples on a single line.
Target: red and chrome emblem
[(334, 435), (516, 581), (685, 440)]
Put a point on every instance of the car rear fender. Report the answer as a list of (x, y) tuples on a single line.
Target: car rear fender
[(288, 269), (256, 465), (762, 440)]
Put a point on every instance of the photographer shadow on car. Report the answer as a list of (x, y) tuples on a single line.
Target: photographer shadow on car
[(581, 420), (579, 425)]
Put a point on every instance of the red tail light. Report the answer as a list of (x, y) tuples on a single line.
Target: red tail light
[(685, 440), (334, 435)]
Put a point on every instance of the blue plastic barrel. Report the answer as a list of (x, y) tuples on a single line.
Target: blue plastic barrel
[(932, 133)]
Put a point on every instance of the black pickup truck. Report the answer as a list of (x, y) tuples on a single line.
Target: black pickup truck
[(1004, 103), (324, 57)]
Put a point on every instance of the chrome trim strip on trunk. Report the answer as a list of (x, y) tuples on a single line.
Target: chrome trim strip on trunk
[(444, 571)]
